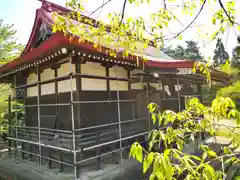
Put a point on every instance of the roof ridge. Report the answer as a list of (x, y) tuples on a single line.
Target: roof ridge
[(50, 6)]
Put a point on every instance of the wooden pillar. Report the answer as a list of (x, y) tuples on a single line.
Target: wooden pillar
[(39, 70), (24, 82), (130, 91), (78, 61), (9, 123), (57, 122), (113, 146), (108, 81), (16, 118)]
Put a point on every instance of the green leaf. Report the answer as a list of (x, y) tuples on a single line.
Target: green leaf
[(147, 161), (209, 169), (196, 158), (179, 145), (139, 154), (136, 152), (227, 150), (212, 153), (166, 152), (156, 164), (204, 156), (152, 177), (154, 118), (213, 21)]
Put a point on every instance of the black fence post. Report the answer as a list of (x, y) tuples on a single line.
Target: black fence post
[(9, 123)]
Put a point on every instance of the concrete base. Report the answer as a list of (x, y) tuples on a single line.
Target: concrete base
[(128, 170), (25, 170)]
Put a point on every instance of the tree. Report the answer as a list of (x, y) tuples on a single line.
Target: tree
[(236, 53), (9, 49), (192, 51), (176, 53), (220, 55)]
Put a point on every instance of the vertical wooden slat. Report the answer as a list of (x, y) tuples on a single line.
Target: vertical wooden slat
[(98, 151), (39, 116), (25, 114), (15, 114), (9, 122), (77, 62)]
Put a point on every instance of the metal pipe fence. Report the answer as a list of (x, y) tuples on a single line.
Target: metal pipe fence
[(72, 138)]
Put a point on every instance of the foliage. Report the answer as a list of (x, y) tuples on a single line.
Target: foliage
[(133, 34), (229, 69), (191, 52), (236, 54), (165, 145), (233, 90), (9, 49), (176, 53), (220, 55), (204, 70)]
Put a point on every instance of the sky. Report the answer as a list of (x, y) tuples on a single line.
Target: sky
[(21, 13)]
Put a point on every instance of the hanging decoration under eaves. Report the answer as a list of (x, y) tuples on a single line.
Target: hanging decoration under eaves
[(65, 51)]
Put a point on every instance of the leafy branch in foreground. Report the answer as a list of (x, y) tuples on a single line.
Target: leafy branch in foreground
[(134, 33), (166, 153)]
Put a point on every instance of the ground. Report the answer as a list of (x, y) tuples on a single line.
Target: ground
[(25, 170)]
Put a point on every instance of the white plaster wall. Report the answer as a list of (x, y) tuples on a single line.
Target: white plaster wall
[(158, 86), (32, 78), (65, 86), (50, 87), (65, 69), (135, 71), (137, 86), (118, 71), (32, 91), (118, 85), (88, 84), (121, 73), (47, 74), (90, 68), (47, 89)]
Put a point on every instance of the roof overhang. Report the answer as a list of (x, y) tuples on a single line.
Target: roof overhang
[(59, 40)]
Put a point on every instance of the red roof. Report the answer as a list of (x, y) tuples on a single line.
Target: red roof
[(44, 15)]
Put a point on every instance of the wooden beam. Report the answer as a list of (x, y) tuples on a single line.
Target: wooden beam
[(78, 61)]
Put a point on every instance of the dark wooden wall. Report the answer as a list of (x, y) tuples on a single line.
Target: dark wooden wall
[(92, 114)]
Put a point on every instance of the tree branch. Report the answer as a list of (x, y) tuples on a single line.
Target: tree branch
[(189, 25), (100, 7), (228, 15), (164, 4), (123, 12)]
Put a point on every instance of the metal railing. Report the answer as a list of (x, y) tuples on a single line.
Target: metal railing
[(76, 141)]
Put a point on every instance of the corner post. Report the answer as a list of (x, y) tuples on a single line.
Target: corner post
[(9, 123)]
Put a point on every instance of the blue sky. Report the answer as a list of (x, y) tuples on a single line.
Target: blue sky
[(21, 13)]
